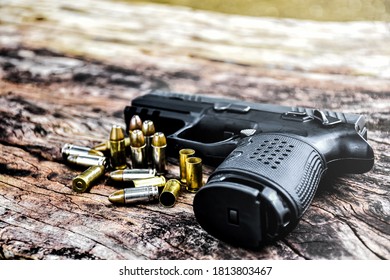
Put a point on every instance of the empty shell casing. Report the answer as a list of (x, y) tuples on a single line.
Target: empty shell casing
[(183, 155), (132, 174), (159, 144), (148, 130), (194, 177), (135, 123), (117, 148), (134, 195), (137, 147), (87, 160), (69, 149), (84, 181), (170, 193), (158, 181)]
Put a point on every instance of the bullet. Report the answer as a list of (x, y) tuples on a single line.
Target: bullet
[(148, 130), (135, 123), (158, 181), (194, 178), (134, 195), (102, 147), (170, 193), (69, 149), (117, 148), (87, 160), (84, 181), (105, 146), (183, 155), (132, 174), (159, 144), (137, 147)]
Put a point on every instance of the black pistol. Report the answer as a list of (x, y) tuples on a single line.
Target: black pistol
[(269, 158)]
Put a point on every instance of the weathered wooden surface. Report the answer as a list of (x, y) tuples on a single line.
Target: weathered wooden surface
[(67, 70)]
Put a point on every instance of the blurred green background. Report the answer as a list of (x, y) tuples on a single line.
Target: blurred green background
[(323, 10)]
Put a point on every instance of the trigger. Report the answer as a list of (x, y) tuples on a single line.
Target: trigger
[(247, 132)]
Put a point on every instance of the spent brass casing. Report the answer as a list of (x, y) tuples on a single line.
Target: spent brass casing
[(84, 181), (87, 160), (183, 155), (170, 193), (148, 130), (134, 195), (158, 181), (159, 144), (117, 148), (69, 149), (126, 175), (138, 149), (194, 176)]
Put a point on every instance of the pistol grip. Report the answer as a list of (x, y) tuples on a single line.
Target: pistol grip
[(261, 190)]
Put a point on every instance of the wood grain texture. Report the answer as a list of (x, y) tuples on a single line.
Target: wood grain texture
[(67, 71)]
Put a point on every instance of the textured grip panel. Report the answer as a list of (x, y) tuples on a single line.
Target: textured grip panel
[(310, 180), (286, 164)]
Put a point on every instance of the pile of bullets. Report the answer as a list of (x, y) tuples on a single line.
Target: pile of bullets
[(142, 177)]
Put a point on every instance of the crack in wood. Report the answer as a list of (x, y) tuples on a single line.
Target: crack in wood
[(292, 248), (372, 225), (67, 230), (361, 240)]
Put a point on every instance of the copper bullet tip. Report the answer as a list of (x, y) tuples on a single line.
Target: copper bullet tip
[(117, 197), (159, 140), (135, 123), (148, 128), (116, 133), (137, 138), (117, 175)]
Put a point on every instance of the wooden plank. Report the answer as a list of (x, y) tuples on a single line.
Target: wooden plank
[(69, 82)]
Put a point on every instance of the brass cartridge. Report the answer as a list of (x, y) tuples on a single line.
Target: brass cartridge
[(148, 130), (105, 146), (194, 176), (69, 149), (135, 123), (134, 195), (170, 193), (159, 144), (87, 160), (84, 181), (137, 147), (184, 154), (117, 148), (158, 181), (126, 175)]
